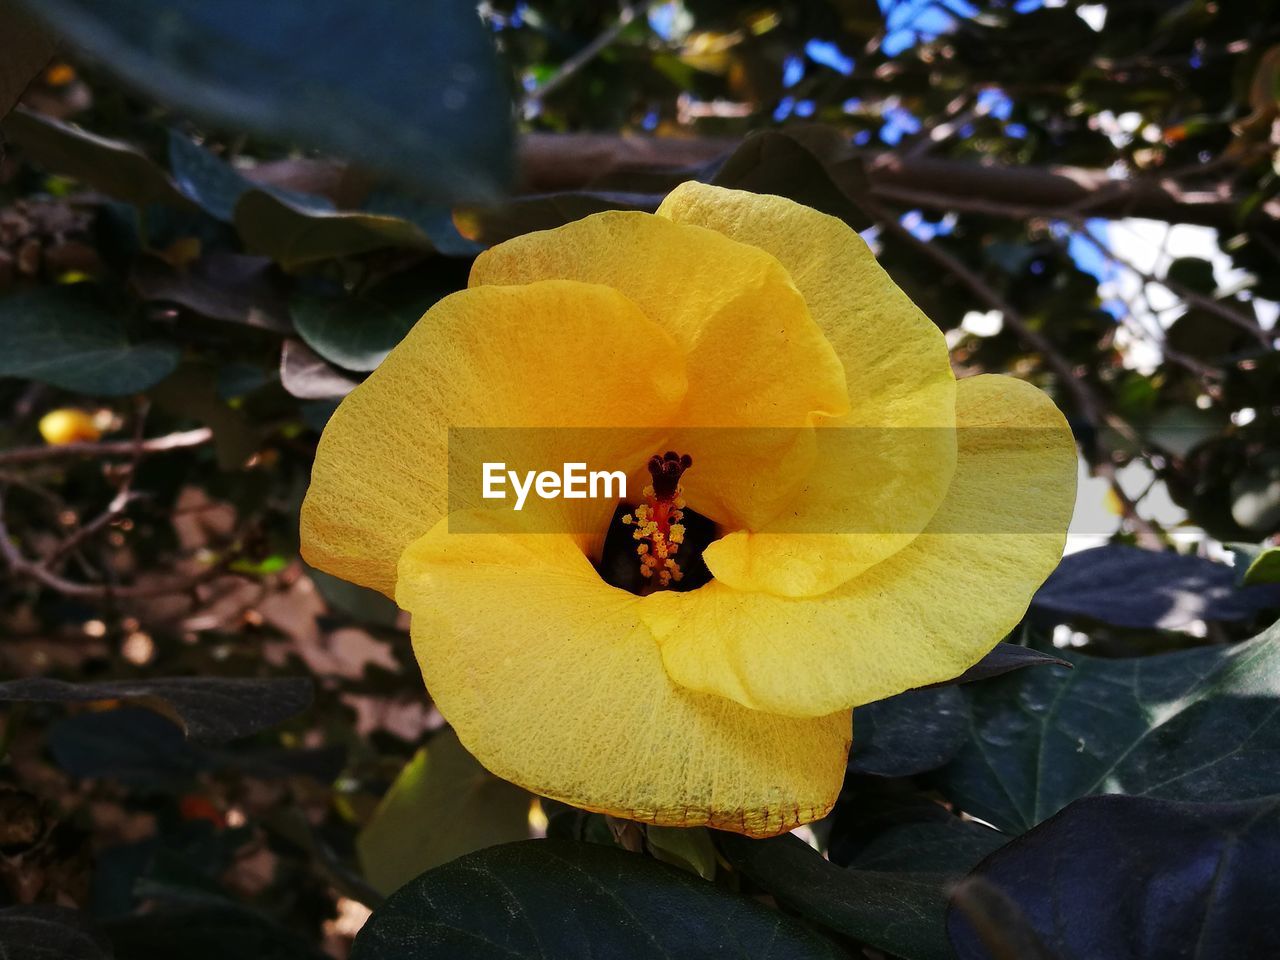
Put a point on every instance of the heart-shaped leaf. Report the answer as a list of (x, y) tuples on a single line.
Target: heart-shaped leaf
[(543, 899), (1200, 724), (64, 336)]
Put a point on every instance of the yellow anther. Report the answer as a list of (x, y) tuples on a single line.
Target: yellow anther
[(677, 533)]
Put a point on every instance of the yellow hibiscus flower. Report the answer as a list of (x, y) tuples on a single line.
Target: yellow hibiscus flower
[(735, 331)]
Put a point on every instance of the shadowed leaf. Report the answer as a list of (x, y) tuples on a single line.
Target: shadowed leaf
[(892, 896), (573, 901), (63, 336), (1200, 724), (327, 74), (1121, 878), (1136, 588)]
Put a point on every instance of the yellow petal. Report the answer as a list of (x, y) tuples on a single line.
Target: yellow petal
[(553, 354), (560, 688), (879, 486), (755, 357), (927, 613)]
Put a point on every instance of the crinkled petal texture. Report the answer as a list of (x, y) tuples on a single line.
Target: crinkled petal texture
[(879, 482), (760, 369), (922, 616), (553, 681), (557, 353)]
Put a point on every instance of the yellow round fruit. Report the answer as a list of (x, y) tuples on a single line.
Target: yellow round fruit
[(68, 426)]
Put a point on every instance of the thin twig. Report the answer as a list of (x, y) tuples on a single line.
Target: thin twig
[(1183, 292), (108, 448), (580, 59), (1086, 401), (21, 566)]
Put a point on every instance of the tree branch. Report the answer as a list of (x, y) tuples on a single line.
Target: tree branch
[(556, 162), (108, 448)]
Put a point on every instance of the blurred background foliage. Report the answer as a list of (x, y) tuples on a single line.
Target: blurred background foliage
[(215, 219)]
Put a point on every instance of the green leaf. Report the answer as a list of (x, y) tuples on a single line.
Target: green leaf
[(46, 932), (441, 806), (25, 47), (329, 74), (357, 332), (543, 899), (1197, 879), (812, 165), (294, 234), (911, 733), (209, 709), (216, 186), (1265, 567), (1200, 724), (892, 897), (114, 168), (689, 848), (63, 336)]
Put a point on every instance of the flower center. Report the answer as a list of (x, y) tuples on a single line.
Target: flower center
[(657, 520), (643, 547)]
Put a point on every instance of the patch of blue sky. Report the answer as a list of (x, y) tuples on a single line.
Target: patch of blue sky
[(1086, 256), (898, 122), (829, 55), (852, 105), (792, 71), (908, 22), (805, 108), (1016, 130), (784, 108), (512, 21), (862, 137), (994, 102), (663, 18), (650, 121), (923, 228)]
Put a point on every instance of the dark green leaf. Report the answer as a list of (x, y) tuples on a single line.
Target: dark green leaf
[(357, 332), (329, 74), (217, 186), (814, 165), (1006, 657), (293, 234), (209, 709), (63, 336), (560, 900), (441, 806), (25, 47), (913, 732), (132, 746), (1129, 587), (115, 168), (892, 897), (1120, 878), (45, 932), (1200, 724)]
